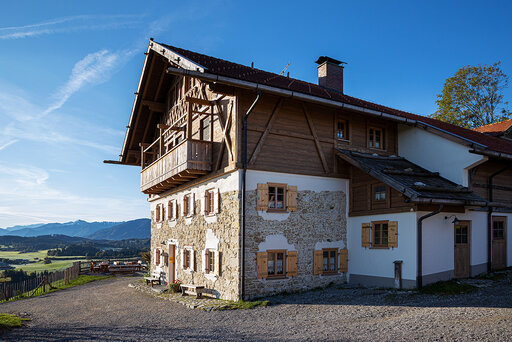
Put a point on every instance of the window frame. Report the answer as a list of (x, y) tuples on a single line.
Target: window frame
[(371, 142), (285, 197), (172, 210), (276, 252), (374, 230), (503, 221), (209, 199), (187, 202), (210, 261), (187, 261), (328, 251), (374, 188), (346, 130)]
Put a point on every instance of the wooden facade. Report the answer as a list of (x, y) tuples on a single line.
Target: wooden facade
[(501, 182)]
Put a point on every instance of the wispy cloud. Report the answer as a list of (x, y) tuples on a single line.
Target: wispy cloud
[(9, 143), (70, 24)]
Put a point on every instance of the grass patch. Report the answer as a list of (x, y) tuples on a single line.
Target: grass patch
[(8, 321), (246, 305), (447, 288)]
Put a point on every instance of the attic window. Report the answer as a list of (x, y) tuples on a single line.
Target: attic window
[(342, 130), (379, 193), (376, 138)]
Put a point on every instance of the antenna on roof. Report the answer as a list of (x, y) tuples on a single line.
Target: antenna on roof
[(285, 67)]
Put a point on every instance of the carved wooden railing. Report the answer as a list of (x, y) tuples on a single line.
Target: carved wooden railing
[(190, 157)]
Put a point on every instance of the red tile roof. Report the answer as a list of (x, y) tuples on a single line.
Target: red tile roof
[(495, 128), (238, 71)]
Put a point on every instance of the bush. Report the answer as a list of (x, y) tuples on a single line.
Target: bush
[(175, 286)]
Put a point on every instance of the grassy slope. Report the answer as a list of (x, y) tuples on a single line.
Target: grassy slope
[(39, 265)]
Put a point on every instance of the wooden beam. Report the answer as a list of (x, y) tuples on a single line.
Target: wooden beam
[(317, 143), (158, 107), (225, 137), (263, 137), (189, 121), (202, 102)]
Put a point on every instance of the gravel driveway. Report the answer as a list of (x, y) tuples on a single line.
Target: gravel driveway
[(110, 310)]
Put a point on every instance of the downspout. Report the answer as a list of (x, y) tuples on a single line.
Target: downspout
[(244, 171), (419, 247), (489, 218)]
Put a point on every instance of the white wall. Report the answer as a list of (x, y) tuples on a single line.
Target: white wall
[(438, 240), (303, 182), (379, 262), (436, 154)]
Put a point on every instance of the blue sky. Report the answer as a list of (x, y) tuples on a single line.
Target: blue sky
[(68, 73)]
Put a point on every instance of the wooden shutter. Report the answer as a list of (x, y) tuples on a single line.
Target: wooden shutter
[(157, 257), (183, 258), (216, 201), (205, 261), (343, 260), (216, 266), (365, 234), (292, 198), (393, 234), (317, 262), (292, 263), (193, 204), (183, 205), (261, 265), (203, 203), (262, 197)]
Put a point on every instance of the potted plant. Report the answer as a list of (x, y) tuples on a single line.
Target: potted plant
[(175, 286)]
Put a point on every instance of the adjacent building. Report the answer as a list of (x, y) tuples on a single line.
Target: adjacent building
[(259, 183)]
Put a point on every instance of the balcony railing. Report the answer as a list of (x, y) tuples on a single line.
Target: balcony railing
[(188, 160)]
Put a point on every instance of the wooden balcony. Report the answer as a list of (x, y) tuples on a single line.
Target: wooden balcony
[(188, 160)]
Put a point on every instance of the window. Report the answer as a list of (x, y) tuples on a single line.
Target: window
[(205, 129), (461, 233), (380, 234), (498, 228), (158, 213), (379, 193), (209, 202), (188, 205), (342, 130), (329, 260), (187, 256), (376, 138), (276, 263), (276, 196), (171, 210), (210, 261)]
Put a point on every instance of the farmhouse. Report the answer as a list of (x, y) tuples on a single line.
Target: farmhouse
[(259, 183)]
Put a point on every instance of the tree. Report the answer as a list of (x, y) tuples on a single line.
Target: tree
[(473, 97)]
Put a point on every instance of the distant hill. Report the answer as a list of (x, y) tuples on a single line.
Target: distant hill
[(78, 228), (135, 229)]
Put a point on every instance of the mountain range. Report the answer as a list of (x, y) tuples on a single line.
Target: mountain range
[(134, 229)]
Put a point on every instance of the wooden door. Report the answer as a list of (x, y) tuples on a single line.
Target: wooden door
[(462, 249), (499, 242), (172, 263)]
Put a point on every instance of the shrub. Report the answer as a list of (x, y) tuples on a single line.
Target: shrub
[(175, 286)]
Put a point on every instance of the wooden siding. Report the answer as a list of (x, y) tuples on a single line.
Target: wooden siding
[(286, 135), (502, 183)]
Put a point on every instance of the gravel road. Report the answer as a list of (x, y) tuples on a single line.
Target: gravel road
[(110, 310)]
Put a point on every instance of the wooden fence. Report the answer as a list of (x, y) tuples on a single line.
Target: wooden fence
[(40, 284)]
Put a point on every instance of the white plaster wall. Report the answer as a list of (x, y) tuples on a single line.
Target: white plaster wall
[(379, 262), (227, 182), (275, 241), (303, 182), (438, 240), (436, 154)]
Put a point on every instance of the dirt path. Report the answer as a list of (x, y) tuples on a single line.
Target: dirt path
[(110, 310)]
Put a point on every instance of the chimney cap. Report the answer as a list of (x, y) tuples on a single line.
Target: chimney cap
[(323, 59)]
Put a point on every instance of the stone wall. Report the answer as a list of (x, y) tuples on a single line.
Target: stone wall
[(319, 222), (192, 232)]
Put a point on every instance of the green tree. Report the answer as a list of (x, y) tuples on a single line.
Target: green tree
[(473, 97)]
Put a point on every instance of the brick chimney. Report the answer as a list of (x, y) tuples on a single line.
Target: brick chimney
[(330, 73)]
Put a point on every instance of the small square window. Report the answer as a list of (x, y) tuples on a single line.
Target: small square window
[(376, 138), (276, 263), (342, 130), (276, 196), (379, 193), (329, 260)]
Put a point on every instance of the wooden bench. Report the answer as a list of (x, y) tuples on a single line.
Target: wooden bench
[(156, 277), (197, 290)]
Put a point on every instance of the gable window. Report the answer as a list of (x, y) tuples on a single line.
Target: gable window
[(342, 130), (376, 138), (379, 193), (205, 129), (188, 205), (276, 196), (329, 260), (380, 233), (276, 263)]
